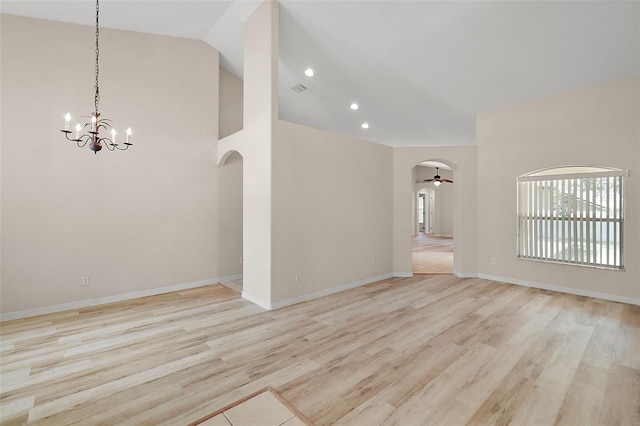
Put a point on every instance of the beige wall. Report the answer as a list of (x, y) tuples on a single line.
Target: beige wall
[(231, 93), (463, 161), (132, 221), (332, 211), (597, 126)]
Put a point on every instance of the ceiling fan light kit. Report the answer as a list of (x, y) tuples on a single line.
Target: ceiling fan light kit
[(437, 179)]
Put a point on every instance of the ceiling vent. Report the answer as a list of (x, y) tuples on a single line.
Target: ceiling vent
[(299, 88)]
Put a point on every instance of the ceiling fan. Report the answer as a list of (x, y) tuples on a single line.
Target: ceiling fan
[(437, 180)]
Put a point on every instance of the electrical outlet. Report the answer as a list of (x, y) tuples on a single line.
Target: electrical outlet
[(85, 281), (373, 262), (296, 278), (493, 260)]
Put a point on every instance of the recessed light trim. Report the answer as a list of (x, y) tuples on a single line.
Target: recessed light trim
[(309, 72), (354, 106), (365, 125)]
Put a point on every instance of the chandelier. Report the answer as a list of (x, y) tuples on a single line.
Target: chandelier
[(92, 135)]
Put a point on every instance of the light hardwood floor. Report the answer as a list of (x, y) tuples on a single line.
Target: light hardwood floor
[(433, 350), (431, 254)]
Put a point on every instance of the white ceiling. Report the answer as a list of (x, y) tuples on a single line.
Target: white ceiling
[(434, 164), (419, 70)]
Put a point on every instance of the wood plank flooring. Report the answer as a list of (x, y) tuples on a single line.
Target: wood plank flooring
[(427, 350), (431, 254)]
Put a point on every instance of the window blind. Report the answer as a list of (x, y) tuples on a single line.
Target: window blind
[(576, 219)]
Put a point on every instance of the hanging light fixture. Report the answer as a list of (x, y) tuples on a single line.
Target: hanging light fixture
[(92, 136), (437, 180)]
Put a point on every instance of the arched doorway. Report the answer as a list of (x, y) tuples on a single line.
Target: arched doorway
[(230, 220), (432, 231)]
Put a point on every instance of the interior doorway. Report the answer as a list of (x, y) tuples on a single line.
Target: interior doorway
[(432, 239), (230, 226), (426, 205), (422, 213)]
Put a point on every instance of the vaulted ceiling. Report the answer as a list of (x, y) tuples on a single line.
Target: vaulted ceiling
[(418, 70)]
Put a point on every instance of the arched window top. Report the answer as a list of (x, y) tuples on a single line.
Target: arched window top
[(572, 215), (572, 172)]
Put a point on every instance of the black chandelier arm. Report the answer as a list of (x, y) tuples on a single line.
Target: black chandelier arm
[(126, 146), (81, 142), (112, 146)]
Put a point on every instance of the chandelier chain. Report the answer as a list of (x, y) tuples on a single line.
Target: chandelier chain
[(97, 86)]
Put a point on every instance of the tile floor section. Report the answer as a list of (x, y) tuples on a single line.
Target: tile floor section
[(264, 409)]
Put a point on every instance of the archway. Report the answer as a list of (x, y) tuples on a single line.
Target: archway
[(432, 218), (230, 220)]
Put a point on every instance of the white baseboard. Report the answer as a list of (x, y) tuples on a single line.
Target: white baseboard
[(299, 299), (229, 278), (256, 301), (569, 290), (465, 274), (116, 298), (326, 292)]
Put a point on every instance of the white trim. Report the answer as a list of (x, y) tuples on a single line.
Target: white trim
[(116, 298), (465, 274), (256, 301), (304, 298), (573, 172), (328, 291), (542, 178), (230, 278), (569, 290)]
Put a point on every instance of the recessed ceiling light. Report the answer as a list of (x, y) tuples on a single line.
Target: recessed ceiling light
[(354, 106), (308, 72), (365, 125)]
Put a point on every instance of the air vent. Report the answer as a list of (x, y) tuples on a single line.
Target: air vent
[(299, 88)]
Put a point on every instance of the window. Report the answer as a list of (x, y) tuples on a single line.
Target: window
[(572, 215)]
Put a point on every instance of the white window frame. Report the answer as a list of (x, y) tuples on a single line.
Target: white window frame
[(572, 215)]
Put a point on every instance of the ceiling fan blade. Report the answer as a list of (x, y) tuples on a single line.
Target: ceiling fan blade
[(446, 180), (429, 180)]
